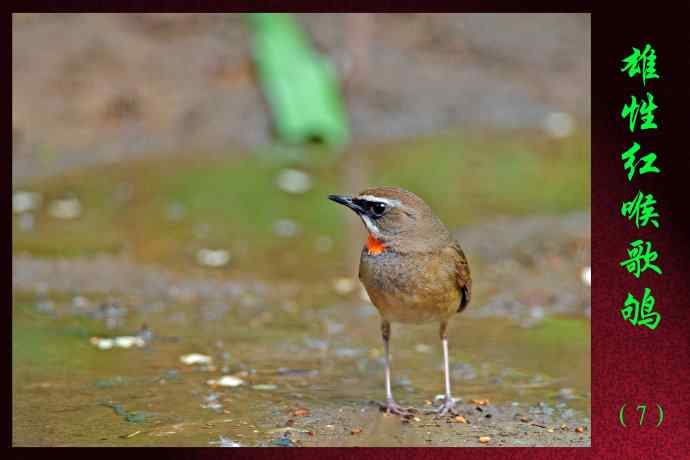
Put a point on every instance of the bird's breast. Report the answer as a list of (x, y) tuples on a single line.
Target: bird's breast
[(410, 288)]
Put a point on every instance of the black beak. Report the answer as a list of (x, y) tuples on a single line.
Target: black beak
[(346, 201)]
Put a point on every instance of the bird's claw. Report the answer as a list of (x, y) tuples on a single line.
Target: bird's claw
[(391, 407), (446, 408)]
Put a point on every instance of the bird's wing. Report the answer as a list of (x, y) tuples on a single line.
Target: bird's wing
[(462, 275)]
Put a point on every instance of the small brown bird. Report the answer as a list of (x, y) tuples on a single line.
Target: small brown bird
[(412, 268)]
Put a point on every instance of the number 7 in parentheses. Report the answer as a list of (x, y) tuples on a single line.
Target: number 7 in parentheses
[(644, 411)]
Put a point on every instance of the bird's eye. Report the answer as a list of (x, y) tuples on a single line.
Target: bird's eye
[(377, 209)]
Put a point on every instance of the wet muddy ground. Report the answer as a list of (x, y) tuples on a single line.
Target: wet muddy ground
[(307, 375), (277, 346)]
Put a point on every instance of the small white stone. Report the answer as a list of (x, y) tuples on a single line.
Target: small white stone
[(537, 312), (285, 228), (558, 124), (293, 181), (195, 358), (265, 387), (212, 257), (102, 344), (80, 302), (226, 381), (129, 342), (65, 208), (119, 342), (23, 201), (344, 286), (423, 348), (225, 442)]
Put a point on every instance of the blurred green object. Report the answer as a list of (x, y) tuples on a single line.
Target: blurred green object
[(300, 85)]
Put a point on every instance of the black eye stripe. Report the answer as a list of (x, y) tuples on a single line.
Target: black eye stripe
[(374, 208), (362, 203)]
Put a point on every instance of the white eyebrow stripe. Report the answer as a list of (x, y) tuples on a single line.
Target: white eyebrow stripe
[(379, 200)]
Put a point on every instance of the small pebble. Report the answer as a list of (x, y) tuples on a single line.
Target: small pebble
[(66, 208), (119, 342), (301, 412), (23, 201), (129, 341), (460, 419), (131, 435), (484, 439), (479, 402), (344, 286), (212, 257), (423, 348), (264, 387), (285, 228), (195, 358), (226, 381), (579, 429), (102, 344), (226, 442), (293, 181), (558, 124), (355, 430), (80, 302)]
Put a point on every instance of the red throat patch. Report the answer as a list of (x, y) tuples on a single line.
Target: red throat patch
[(374, 246)]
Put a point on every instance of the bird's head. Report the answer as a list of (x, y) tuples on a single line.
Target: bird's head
[(395, 219)]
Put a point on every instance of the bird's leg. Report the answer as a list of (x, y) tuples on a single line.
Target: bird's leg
[(390, 406), (449, 403)]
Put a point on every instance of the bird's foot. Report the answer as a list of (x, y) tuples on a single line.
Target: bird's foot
[(446, 408), (391, 407)]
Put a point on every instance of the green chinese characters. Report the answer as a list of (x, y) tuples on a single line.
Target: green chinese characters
[(631, 162), (641, 314), (641, 63), (641, 209), (644, 108), (640, 258)]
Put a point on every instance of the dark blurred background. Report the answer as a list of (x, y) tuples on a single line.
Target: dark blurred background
[(93, 87)]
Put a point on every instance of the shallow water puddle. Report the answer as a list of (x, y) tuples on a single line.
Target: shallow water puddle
[(333, 374)]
